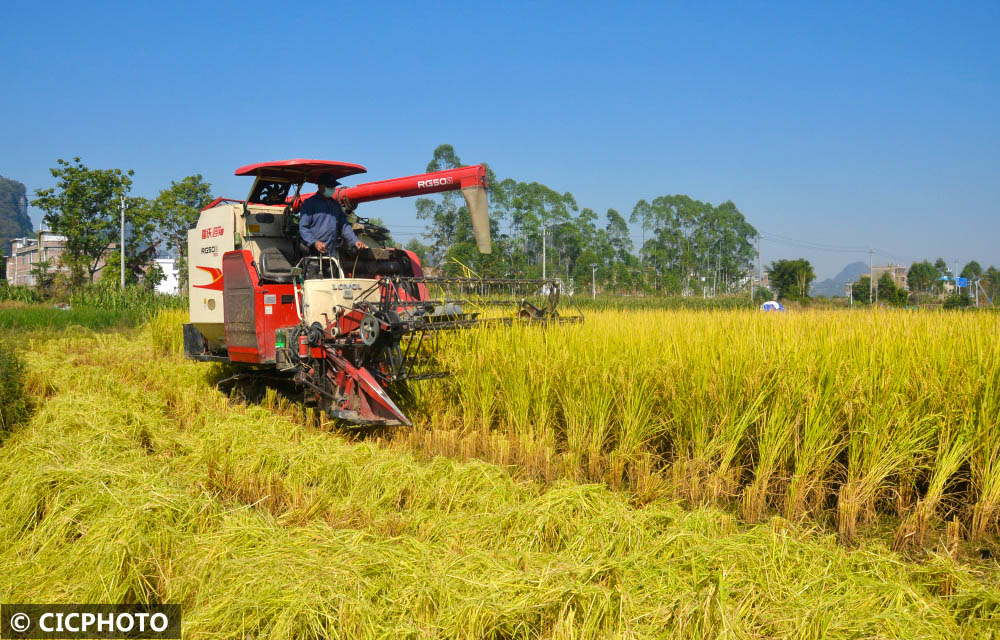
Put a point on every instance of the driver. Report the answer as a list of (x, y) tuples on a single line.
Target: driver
[(322, 222)]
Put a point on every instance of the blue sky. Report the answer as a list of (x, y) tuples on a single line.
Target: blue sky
[(836, 125)]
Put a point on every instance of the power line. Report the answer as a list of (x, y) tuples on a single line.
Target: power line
[(823, 245), (808, 244), (818, 246), (800, 245), (763, 235)]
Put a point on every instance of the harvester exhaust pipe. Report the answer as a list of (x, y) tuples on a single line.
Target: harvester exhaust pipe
[(471, 180)]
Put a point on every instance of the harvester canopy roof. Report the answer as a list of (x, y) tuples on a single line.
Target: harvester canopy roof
[(300, 170)]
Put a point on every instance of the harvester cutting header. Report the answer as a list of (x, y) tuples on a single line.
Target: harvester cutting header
[(346, 323)]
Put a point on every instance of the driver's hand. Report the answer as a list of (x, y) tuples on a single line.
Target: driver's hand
[(320, 246), (360, 245)]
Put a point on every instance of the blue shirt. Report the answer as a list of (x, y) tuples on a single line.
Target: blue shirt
[(322, 219)]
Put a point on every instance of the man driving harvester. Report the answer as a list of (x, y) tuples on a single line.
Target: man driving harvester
[(322, 221)]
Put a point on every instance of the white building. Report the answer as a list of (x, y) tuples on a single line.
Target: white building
[(170, 283)]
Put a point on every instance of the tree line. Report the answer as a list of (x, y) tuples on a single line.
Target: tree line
[(690, 247), (926, 282), (930, 282)]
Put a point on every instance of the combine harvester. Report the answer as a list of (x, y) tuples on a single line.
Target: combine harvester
[(347, 328)]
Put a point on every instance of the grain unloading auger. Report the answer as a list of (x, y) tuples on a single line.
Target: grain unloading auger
[(346, 328)]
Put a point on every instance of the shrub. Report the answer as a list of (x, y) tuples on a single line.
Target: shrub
[(958, 301), (13, 403)]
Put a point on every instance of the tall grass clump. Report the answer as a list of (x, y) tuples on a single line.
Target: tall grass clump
[(166, 328), (23, 294), (133, 298)]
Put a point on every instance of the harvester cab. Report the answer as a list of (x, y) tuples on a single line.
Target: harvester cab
[(342, 327)]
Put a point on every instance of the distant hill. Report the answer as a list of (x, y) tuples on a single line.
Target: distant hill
[(835, 286), (14, 220)]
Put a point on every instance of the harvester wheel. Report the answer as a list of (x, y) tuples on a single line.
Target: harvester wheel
[(368, 330)]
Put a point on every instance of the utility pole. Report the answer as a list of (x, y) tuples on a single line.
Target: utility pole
[(121, 247), (760, 267), (871, 278), (852, 294), (593, 281), (715, 278), (543, 251)]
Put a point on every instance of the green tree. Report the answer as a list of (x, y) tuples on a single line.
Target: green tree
[(176, 209), (153, 277), (694, 238), (862, 290), (941, 266), (44, 277), (889, 293), (418, 248), (111, 273), (689, 242), (972, 271), (142, 237), (762, 294), (539, 214), (791, 278), (991, 281), (583, 273), (618, 235), (460, 256), (84, 206), (942, 272), (446, 214), (140, 245), (531, 212), (443, 211), (922, 276)]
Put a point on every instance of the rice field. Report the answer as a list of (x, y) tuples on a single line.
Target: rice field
[(645, 474), (868, 423), (860, 420)]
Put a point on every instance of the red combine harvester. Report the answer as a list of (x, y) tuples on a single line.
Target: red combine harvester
[(346, 328)]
